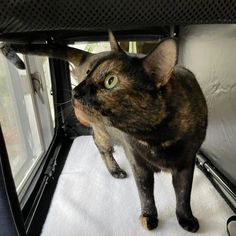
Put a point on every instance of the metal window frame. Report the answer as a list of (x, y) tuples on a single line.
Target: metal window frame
[(47, 171), (33, 65), (22, 119), (12, 218)]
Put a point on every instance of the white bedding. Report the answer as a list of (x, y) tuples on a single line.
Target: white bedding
[(89, 201)]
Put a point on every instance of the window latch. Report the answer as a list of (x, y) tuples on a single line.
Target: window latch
[(37, 85)]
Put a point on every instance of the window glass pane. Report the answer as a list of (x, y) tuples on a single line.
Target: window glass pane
[(46, 71), (16, 149), (33, 137), (93, 47), (19, 122)]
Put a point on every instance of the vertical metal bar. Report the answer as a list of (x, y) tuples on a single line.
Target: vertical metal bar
[(11, 220), (61, 88)]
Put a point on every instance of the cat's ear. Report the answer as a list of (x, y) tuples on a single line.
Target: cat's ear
[(160, 63), (113, 42)]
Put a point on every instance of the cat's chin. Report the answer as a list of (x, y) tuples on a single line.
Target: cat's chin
[(82, 118), (88, 116), (80, 114)]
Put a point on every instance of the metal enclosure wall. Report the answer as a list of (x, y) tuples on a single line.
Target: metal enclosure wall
[(210, 52)]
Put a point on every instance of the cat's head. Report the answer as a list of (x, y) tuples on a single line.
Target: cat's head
[(123, 90)]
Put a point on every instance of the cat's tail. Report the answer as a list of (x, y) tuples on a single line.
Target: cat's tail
[(73, 55)]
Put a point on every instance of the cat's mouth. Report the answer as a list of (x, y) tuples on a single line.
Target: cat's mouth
[(85, 113)]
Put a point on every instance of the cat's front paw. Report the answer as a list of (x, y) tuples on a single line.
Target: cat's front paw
[(189, 224), (149, 222), (118, 173)]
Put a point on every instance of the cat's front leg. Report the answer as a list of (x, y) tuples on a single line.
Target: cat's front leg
[(182, 182), (103, 143), (144, 178)]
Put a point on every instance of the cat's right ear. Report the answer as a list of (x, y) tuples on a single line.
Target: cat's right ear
[(73, 55), (160, 63), (113, 42)]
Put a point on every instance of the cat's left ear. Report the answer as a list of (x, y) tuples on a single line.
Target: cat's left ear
[(113, 42), (160, 63)]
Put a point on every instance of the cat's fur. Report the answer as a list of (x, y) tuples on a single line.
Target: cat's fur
[(156, 111)]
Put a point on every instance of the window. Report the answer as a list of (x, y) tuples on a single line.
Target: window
[(26, 116)]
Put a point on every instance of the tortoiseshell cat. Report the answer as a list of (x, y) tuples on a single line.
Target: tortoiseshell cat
[(152, 107)]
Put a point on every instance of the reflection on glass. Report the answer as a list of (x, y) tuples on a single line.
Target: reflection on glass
[(15, 147), (19, 121), (46, 71)]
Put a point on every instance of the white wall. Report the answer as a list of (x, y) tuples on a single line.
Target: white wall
[(209, 51)]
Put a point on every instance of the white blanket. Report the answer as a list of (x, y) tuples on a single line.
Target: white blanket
[(88, 201)]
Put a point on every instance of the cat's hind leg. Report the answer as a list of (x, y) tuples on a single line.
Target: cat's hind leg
[(103, 143)]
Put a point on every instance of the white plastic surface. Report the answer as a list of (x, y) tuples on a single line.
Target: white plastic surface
[(88, 201)]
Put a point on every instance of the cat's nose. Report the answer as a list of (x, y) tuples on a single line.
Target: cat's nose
[(79, 91)]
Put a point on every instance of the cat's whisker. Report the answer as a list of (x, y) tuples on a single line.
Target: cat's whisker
[(62, 114), (67, 90), (64, 108), (63, 103)]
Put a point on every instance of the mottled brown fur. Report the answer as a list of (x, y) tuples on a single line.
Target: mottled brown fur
[(156, 111), (162, 126)]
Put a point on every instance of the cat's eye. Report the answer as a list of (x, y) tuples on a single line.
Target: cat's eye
[(110, 81)]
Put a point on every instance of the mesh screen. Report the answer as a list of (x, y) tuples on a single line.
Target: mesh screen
[(50, 15)]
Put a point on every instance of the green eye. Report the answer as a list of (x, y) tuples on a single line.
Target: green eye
[(110, 81)]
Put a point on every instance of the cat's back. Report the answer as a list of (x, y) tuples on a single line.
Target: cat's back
[(184, 82), (187, 97)]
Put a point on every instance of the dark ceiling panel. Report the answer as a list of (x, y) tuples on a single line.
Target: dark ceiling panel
[(47, 17)]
